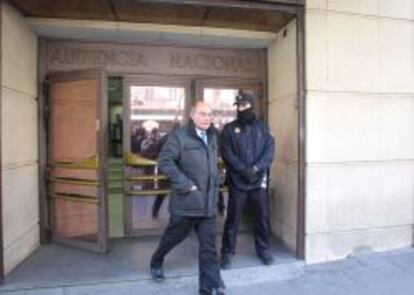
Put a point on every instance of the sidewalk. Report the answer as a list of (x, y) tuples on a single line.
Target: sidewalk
[(390, 273)]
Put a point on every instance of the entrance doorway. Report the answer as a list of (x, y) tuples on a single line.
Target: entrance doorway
[(147, 100), (152, 107), (141, 110)]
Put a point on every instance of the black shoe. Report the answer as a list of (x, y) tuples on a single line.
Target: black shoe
[(157, 274), (226, 261), (216, 291), (266, 258)]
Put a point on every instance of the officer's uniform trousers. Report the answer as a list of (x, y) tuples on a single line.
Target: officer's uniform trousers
[(236, 204)]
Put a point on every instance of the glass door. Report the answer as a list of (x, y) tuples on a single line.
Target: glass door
[(153, 106), (77, 153)]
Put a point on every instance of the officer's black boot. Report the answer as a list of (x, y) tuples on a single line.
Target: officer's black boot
[(226, 260)]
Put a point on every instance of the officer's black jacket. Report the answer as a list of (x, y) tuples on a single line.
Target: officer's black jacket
[(242, 147)]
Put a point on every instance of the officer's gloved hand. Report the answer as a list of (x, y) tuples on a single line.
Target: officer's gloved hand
[(251, 175)]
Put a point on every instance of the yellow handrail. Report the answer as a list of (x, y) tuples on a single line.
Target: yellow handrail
[(91, 163), (158, 192), (75, 198), (148, 192), (146, 178), (77, 181), (132, 159)]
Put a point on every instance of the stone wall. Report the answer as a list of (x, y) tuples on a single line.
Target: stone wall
[(283, 122), (360, 115), (20, 211)]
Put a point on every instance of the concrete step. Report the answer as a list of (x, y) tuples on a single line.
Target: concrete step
[(173, 285)]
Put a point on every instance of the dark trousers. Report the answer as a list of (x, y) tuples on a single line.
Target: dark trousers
[(235, 208), (205, 228)]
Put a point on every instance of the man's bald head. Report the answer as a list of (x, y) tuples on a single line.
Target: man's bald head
[(201, 115)]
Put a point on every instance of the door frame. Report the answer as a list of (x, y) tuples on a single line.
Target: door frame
[(2, 274), (302, 134), (295, 8), (102, 153)]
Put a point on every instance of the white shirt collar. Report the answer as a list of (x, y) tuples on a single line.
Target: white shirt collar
[(199, 131)]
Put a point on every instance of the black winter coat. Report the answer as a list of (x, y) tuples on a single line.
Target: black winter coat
[(187, 161), (244, 146)]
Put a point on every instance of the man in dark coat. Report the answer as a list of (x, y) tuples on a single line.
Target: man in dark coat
[(189, 160), (247, 149)]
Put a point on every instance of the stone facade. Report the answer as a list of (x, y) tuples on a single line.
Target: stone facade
[(360, 114), (20, 209), (283, 122)]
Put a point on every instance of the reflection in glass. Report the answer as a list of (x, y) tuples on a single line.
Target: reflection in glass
[(221, 101), (154, 112)]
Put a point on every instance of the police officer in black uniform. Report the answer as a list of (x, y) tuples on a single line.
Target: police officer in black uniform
[(247, 149)]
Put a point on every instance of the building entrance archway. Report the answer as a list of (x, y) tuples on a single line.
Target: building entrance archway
[(157, 85)]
